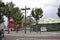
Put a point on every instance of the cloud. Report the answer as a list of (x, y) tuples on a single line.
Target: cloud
[(49, 6), (34, 3), (50, 12)]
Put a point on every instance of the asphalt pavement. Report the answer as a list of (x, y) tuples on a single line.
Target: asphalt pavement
[(32, 36)]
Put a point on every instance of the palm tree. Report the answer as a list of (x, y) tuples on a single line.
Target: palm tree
[(37, 14)]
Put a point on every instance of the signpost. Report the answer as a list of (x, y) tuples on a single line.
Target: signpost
[(25, 15)]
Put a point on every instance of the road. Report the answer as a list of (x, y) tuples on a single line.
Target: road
[(31, 38)]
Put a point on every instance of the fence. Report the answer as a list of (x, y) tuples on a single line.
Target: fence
[(49, 27)]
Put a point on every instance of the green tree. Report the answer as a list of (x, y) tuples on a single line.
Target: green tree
[(2, 5), (18, 15), (1, 11), (37, 13), (58, 12), (9, 8), (10, 11), (58, 16), (14, 12)]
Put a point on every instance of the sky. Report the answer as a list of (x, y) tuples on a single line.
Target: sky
[(49, 7)]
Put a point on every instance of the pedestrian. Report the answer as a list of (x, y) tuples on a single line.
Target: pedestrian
[(5, 18)]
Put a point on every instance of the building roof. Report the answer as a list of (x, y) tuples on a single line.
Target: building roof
[(48, 20)]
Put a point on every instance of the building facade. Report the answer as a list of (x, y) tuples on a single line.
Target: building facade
[(48, 24), (52, 24)]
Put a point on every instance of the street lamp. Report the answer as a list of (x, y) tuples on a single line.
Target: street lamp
[(25, 15)]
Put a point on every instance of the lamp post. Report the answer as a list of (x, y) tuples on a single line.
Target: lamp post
[(25, 15)]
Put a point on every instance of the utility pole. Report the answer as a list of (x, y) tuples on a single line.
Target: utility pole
[(25, 15)]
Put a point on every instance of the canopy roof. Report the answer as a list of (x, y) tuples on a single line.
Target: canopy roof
[(48, 20)]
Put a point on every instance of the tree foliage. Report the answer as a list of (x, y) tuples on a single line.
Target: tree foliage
[(1, 11), (2, 5), (18, 15), (37, 13), (58, 12), (10, 10)]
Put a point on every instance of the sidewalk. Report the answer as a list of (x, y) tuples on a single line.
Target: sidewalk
[(33, 34)]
